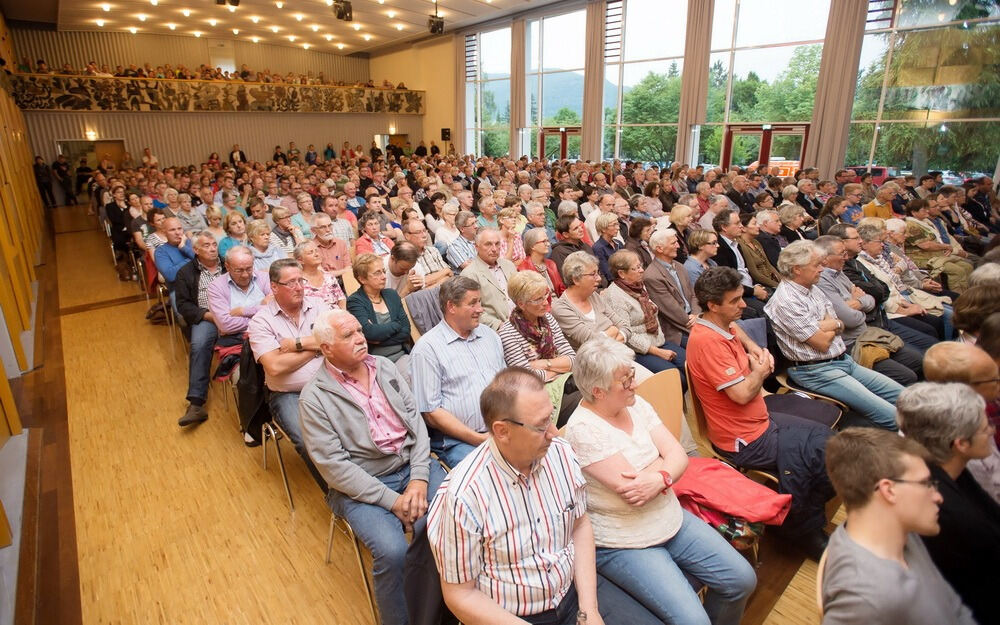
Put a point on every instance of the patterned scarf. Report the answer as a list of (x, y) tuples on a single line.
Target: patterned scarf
[(884, 265), (649, 309), (539, 334)]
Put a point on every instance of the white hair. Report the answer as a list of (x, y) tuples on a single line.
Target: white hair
[(895, 225), (596, 362), (936, 414), (797, 254), (323, 326), (659, 237)]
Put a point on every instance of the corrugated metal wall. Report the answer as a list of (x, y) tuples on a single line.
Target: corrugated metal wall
[(79, 47), (183, 138)]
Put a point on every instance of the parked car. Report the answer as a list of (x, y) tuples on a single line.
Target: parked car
[(879, 173)]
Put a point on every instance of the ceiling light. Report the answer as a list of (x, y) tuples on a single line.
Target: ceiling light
[(142, 17), (399, 27), (133, 30), (154, 2), (236, 31), (100, 23), (186, 12), (357, 27), (329, 37), (255, 39), (232, 8), (172, 26), (368, 37), (291, 38), (306, 46), (340, 46), (329, 3), (254, 19), (279, 4), (212, 23), (274, 29), (197, 33), (391, 14), (298, 17), (106, 7), (91, 135)]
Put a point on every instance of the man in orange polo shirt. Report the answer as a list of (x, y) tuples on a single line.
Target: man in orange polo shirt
[(727, 372)]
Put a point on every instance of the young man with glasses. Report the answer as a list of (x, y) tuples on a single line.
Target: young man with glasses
[(877, 569)]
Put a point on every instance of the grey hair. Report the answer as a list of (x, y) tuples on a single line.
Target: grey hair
[(767, 216), (870, 232), (788, 212), (987, 273), (238, 250), (532, 206), (895, 225), (659, 237), (795, 255), (604, 221), (533, 236), (323, 325), (274, 271), (567, 207), (826, 244), (575, 265), (463, 218), (301, 248), (202, 235), (483, 232), (789, 192), (936, 414), (596, 362), (453, 290), (524, 187)]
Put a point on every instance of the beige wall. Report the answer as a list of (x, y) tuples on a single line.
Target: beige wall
[(429, 66)]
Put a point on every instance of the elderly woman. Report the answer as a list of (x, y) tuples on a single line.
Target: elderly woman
[(531, 338), (580, 311), (923, 245), (191, 219), (704, 245), (213, 215), (760, 268), (264, 250), (628, 298), (607, 244), (235, 226), (446, 231), (950, 421), (832, 213), (285, 235), (538, 246), (371, 240), (681, 216), (763, 201), (792, 216), (630, 461), (511, 246), (319, 282), (893, 250), (380, 311), (303, 219)]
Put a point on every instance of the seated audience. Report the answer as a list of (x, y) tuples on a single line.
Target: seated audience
[(681, 216), (532, 339), (972, 308), (761, 270), (430, 264), (639, 232), (570, 231), (319, 282), (451, 364), (176, 251), (538, 246), (808, 334), (235, 226), (511, 244), (833, 213), (770, 237), (877, 568), (402, 273), (630, 461), (478, 540), (263, 247), (729, 229), (670, 288), (727, 375), (949, 420), (491, 272), (923, 245), (282, 342), (334, 254), (370, 448), (703, 245), (380, 310)]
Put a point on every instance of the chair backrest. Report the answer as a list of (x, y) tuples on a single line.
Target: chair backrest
[(663, 392), (699, 410), (819, 583)]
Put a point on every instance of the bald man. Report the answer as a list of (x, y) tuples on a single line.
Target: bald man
[(966, 363)]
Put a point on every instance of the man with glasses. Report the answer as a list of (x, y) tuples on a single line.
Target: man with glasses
[(430, 263), (282, 342), (854, 212), (452, 363), (877, 568)]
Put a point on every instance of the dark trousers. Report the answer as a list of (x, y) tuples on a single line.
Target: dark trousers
[(913, 337), (45, 190), (928, 324), (905, 366), (616, 606), (794, 449)]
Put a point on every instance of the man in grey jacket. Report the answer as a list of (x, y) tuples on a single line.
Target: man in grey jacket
[(852, 305), (361, 428)]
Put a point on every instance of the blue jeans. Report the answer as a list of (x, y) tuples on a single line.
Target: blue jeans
[(655, 575), (203, 336), (382, 533), (285, 412), (866, 391), (616, 606), (451, 451), (657, 364)]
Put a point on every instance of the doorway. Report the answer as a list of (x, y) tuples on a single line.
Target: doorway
[(776, 145), (559, 142), (79, 152)]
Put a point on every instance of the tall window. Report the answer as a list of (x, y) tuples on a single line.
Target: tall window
[(554, 59), (762, 70), (644, 54), (487, 92), (928, 92)]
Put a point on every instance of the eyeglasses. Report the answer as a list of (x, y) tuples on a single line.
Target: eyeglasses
[(628, 381), (929, 483), (291, 284), (533, 428), (990, 381), (376, 273), (539, 300)]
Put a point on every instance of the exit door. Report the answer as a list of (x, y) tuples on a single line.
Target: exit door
[(777, 145), (559, 143)]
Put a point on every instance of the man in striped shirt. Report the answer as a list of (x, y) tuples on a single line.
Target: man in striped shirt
[(508, 528)]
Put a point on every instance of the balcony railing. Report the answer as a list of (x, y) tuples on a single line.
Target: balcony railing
[(45, 92)]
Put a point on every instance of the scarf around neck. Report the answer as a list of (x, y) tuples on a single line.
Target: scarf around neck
[(649, 309)]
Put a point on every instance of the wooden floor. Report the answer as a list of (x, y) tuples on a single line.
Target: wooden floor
[(184, 526)]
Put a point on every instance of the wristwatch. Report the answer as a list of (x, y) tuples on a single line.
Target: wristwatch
[(581, 618), (298, 344), (667, 482)]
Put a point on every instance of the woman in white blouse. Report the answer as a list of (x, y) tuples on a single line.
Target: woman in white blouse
[(646, 543)]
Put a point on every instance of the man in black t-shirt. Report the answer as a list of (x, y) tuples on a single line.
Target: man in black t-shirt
[(60, 169)]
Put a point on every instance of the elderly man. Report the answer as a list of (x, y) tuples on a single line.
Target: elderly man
[(335, 207), (727, 372), (462, 250), (236, 296), (809, 335), (332, 249), (362, 430), (430, 263), (401, 271), (769, 236), (535, 213), (807, 197), (478, 539), (191, 290), (175, 253), (491, 273), (282, 342), (605, 204), (852, 305), (669, 286), (728, 226), (881, 206), (355, 203), (740, 199), (452, 363), (877, 568)]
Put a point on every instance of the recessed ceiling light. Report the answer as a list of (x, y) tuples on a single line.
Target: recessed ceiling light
[(142, 17), (133, 30), (232, 8), (186, 12), (340, 46), (279, 4), (357, 26), (197, 33), (329, 3), (172, 26), (106, 7), (329, 37), (315, 28), (298, 16), (255, 39), (236, 31), (291, 38), (212, 23), (391, 14), (254, 19), (154, 2), (306, 46), (100, 23), (368, 37), (274, 29), (399, 27)]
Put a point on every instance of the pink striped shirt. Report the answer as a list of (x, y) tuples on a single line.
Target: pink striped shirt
[(387, 429), (509, 532)]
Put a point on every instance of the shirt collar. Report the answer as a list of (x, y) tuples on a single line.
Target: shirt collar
[(341, 376), (450, 335), (711, 326), (506, 466)]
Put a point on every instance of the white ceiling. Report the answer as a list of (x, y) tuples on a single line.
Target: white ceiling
[(377, 23)]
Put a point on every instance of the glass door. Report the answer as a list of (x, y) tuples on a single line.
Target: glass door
[(560, 143), (775, 145)]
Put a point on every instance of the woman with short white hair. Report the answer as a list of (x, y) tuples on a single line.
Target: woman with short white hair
[(646, 543)]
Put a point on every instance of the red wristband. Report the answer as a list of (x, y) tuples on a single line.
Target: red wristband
[(667, 482)]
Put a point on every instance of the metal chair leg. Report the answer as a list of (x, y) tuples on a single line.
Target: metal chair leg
[(329, 538), (364, 576), (269, 430), (284, 475)]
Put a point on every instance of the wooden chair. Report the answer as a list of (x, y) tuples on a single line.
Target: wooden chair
[(788, 386), (345, 527), (663, 392), (819, 583)]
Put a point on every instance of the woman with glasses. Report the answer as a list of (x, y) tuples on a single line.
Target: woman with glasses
[(371, 240), (950, 421), (511, 246), (581, 313), (265, 250), (646, 543), (531, 338), (380, 311), (538, 246), (704, 245)]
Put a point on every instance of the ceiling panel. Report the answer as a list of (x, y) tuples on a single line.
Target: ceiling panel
[(308, 24)]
